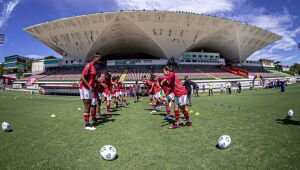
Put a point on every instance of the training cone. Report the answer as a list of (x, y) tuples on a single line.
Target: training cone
[(53, 115), (79, 108), (191, 111), (197, 113)]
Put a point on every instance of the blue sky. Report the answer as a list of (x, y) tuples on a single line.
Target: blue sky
[(279, 16)]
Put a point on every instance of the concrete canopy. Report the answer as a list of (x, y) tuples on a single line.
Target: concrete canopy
[(156, 33)]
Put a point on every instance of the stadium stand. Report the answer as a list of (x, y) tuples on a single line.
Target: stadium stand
[(194, 72), (253, 71)]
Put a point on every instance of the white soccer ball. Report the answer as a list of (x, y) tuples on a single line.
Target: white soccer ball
[(224, 141), (290, 113), (108, 152), (6, 127)]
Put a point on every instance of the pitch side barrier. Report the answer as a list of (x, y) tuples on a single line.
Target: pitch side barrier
[(71, 87)]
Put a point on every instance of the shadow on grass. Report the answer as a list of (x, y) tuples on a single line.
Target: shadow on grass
[(104, 120), (156, 110), (148, 109), (160, 114), (167, 122), (115, 110), (288, 121), (217, 146), (110, 114)]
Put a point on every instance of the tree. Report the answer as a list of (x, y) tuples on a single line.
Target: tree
[(295, 68), (2, 71), (29, 65), (50, 57)]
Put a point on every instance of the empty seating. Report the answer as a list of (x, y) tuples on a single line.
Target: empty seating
[(253, 71)]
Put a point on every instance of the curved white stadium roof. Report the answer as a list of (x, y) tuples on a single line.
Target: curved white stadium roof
[(156, 33)]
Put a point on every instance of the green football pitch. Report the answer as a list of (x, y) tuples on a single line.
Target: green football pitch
[(261, 137)]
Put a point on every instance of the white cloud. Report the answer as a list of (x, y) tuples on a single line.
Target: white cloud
[(6, 9), (268, 55), (38, 56), (197, 6), (280, 23), (35, 56)]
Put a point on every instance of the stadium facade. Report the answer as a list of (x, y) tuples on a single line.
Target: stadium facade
[(159, 34)]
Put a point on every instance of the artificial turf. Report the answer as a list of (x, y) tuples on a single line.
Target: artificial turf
[(261, 137)]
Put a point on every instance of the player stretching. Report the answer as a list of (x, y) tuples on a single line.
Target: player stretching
[(156, 84), (100, 89), (106, 81), (123, 93), (148, 88), (180, 96), (86, 90), (166, 97), (154, 91), (116, 90)]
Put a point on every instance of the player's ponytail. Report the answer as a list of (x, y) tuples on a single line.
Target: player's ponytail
[(108, 75), (152, 77), (168, 68)]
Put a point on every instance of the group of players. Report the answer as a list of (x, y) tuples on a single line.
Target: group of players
[(94, 90)]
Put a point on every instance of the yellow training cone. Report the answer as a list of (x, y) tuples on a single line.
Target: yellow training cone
[(79, 108), (191, 111), (197, 113), (53, 115)]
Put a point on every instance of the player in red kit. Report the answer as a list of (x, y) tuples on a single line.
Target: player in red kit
[(100, 89), (165, 87), (148, 88), (180, 98), (131, 91), (123, 93), (116, 90), (86, 90), (107, 82)]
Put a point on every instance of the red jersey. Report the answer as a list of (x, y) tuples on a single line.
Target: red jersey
[(156, 88), (117, 88), (108, 85), (99, 88), (164, 86), (90, 74), (123, 88), (131, 88), (148, 84), (175, 85)]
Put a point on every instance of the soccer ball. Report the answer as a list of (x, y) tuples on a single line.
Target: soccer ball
[(6, 127), (290, 113), (108, 152), (224, 141)]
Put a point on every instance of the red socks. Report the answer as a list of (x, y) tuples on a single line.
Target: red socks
[(186, 114), (93, 113), (99, 109), (177, 115), (168, 109), (107, 106), (86, 117), (154, 106)]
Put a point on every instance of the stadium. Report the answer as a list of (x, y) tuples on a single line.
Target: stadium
[(206, 48)]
